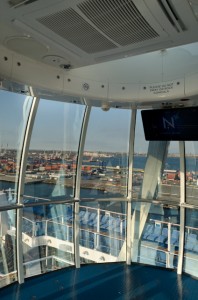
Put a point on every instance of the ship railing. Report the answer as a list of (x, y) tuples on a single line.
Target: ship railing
[(106, 232)]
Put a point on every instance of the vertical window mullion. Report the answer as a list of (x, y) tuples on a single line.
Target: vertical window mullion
[(130, 184), (21, 183), (77, 184), (182, 208)]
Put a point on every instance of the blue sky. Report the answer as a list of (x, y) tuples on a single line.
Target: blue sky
[(108, 131), (57, 126), (11, 116)]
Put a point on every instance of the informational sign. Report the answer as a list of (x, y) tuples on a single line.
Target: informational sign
[(166, 90), (161, 88)]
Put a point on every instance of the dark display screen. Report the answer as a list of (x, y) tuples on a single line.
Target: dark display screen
[(179, 124)]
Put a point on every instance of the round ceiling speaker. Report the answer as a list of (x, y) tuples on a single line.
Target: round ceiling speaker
[(26, 46)]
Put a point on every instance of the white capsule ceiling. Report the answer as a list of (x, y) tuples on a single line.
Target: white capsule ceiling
[(122, 73)]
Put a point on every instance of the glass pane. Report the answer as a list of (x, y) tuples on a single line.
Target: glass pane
[(51, 165), (169, 182), (191, 228), (47, 238), (7, 247), (192, 172), (105, 160), (155, 234), (140, 155), (191, 242), (102, 232), (13, 117), (156, 168)]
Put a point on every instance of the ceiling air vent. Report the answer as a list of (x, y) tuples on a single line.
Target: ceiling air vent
[(120, 20), (71, 26), (17, 3), (172, 15)]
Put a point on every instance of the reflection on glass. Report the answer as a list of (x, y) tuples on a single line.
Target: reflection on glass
[(169, 183), (102, 232), (7, 248), (140, 155), (51, 165), (105, 159), (155, 234), (158, 175), (191, 242), (192, 172), (47, 238), (13, 117)]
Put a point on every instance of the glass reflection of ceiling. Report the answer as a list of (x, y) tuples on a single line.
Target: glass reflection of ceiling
[(166, 64)]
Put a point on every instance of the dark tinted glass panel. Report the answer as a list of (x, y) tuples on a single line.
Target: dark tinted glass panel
[(171, 124)]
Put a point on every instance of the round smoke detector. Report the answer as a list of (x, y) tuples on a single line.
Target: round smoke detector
[(55, 60), (27, 46)]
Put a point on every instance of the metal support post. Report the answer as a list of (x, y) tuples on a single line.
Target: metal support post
[(21, 182), (77, 185), (130, 184), (182, 209)]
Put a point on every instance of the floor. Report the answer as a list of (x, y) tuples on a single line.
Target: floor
[(105, 282)]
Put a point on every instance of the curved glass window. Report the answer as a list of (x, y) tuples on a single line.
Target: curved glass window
[(47, 238), (14, 114), (13, 118), (48, 228), (155, 234), (169, 180), (191, 228), (156, 168), (155, 228), (105, 159), (140, 155), (51, 163), (8, 272), (102, 232), (161, 176), (191, 242), (192, 172)]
